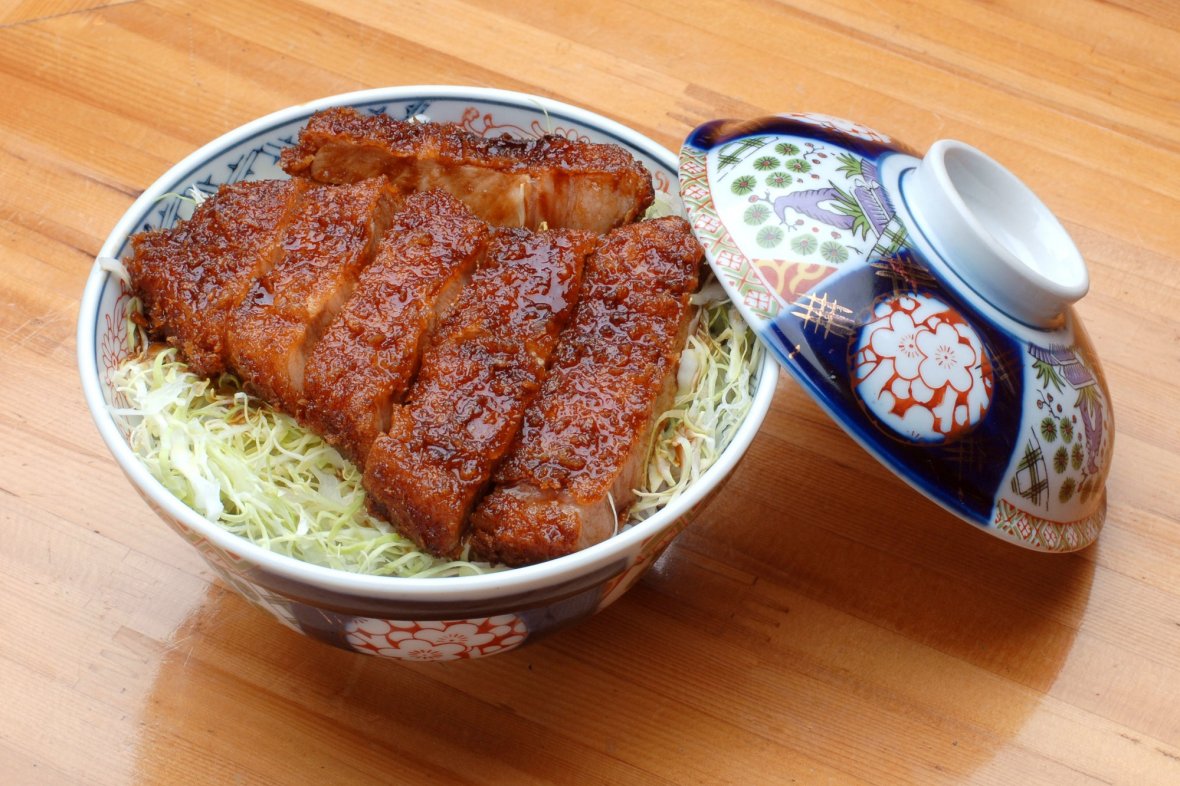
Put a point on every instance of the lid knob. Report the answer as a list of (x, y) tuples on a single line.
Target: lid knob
[(994, 233), (934, 323)]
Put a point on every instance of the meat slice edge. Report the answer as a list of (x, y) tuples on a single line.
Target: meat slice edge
[(571, 473), (551, 180), (366, 360), (481, 369), (287, 309), (193, 276)]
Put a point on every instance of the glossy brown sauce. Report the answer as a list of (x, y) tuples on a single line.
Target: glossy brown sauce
[(483, 366), (193, 277), (369, 355), (320, 255), (506, 181), (591, 420)]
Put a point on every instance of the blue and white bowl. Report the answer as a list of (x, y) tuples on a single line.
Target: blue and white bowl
[(925, 304), (439, 618)]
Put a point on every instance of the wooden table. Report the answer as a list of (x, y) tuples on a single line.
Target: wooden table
[(796, 633)]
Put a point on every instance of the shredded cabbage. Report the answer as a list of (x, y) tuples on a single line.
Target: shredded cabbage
[(715, 390)]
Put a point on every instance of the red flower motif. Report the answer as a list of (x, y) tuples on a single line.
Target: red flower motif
[(436, 639), (921, 370)]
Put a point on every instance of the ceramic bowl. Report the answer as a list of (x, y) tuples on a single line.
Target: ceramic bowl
[(422, 619), (925, 303)]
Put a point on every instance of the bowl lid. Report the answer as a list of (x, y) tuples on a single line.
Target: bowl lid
[(925, 303)]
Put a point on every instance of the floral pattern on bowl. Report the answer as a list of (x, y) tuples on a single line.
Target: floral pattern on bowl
[(436, 640), (920, 369), (986, 405)]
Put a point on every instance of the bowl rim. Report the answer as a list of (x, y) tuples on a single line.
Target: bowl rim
[(517, 580)]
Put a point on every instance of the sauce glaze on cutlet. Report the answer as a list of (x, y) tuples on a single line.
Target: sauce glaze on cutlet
[(367, 358), (480, 371), (193, 276), (288, 307), (586, 434), (550, 180)]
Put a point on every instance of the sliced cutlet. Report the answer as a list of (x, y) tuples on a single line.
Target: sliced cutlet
[(192, 277), (367, 358), (551, 180), (585, 437), (287, 309), (481, 369)]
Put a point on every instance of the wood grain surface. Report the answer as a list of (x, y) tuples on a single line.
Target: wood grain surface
[(820, 623)]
